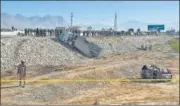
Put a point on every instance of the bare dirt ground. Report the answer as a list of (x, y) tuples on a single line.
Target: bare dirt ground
[(120, 65)]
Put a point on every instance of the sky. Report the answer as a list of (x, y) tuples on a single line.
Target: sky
[(98, 12)]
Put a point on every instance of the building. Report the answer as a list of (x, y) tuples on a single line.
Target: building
[(10, 32)]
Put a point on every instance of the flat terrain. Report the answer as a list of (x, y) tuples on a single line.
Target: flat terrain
[(111, 66), (175, 44)]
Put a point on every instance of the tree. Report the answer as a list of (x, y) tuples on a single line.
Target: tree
[(123, 32), (138, 30), (102, 29), (110, 29), (131, 30), (89, 28)]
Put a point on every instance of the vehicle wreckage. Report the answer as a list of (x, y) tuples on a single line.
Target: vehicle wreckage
[(77, 42), (154, 72)]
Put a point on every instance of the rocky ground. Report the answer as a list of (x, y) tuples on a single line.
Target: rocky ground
[(46, 51), (114, 64), (42, 51)]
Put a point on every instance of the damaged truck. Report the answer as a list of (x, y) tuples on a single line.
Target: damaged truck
[(77, 42), (154, 72)]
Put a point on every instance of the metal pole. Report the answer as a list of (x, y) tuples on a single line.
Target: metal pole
[(71, 19), (115, 22)]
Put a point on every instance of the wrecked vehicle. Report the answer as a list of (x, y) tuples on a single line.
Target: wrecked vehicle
[(78, 42), (154, 72)]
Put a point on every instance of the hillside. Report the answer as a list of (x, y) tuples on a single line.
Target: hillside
[(19, 21), (47, 51), (112, 66)]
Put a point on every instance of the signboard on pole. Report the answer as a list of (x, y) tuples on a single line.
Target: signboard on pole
[(155, 27)]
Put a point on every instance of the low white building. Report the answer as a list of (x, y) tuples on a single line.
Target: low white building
[(6, 33)]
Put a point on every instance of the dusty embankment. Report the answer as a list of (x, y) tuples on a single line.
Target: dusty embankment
[(46, 51), (118, 65)]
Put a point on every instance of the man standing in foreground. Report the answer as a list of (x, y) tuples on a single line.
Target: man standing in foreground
[(21, 72)]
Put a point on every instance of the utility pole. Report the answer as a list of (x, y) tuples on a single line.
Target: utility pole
[(115, 22), (71, 20)]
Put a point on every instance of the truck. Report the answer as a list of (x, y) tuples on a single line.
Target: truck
[(154, 72), (77, 42)]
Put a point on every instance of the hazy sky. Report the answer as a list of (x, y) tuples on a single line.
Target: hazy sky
[(92, 12)]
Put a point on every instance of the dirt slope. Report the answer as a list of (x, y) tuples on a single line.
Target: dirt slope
[(121, 65)]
